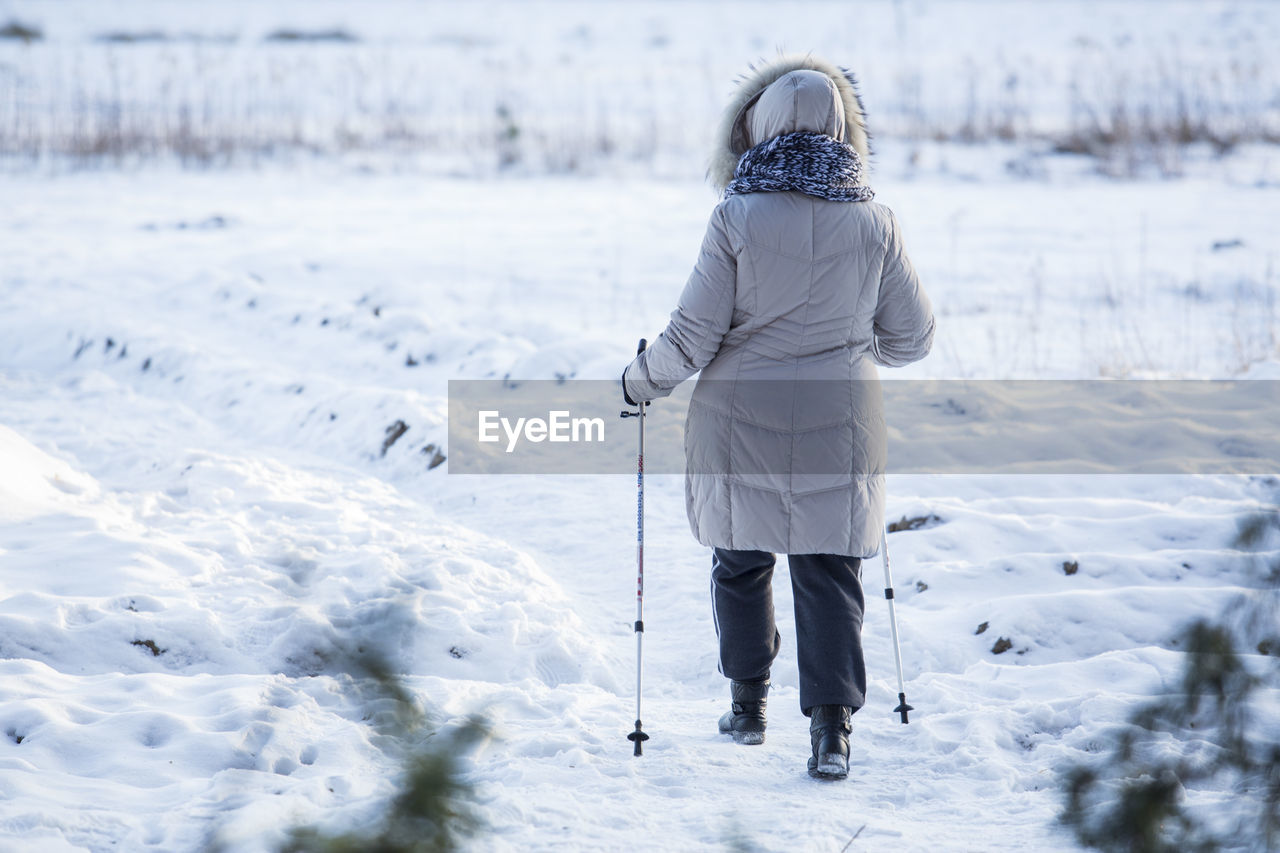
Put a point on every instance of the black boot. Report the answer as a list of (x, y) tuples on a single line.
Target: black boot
[(746, 719), (829, 732)]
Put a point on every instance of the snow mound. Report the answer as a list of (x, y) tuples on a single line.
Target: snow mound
[(174, 656), (34, 482)]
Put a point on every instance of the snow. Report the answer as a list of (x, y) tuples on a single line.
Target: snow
[(210, 505), (199, 521)]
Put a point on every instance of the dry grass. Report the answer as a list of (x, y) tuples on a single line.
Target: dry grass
[(291, 35), (18, 31), (205, 101)]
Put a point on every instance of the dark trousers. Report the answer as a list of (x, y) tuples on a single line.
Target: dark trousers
[(829, 606)]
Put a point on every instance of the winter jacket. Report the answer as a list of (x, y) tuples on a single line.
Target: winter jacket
[(790, 302)]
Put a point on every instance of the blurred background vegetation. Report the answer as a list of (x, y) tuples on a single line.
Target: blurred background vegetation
[(1210, 734)]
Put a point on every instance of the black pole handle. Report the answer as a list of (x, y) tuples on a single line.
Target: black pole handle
[(635, 414)]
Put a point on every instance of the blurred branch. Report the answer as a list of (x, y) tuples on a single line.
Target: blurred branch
[(1206, 736)]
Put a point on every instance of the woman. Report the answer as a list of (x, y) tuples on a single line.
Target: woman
[(801, 284)]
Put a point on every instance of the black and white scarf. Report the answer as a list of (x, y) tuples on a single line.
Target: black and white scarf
[(812, 163)]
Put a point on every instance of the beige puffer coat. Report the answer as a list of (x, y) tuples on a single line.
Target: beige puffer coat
[(790, 302)]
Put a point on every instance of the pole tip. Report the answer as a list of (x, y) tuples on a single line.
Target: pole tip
[(903, 707), (637, 737)]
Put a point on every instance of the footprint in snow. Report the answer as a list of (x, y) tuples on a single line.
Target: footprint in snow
[(555, 669)]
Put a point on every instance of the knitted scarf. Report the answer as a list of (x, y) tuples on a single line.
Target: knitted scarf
[(812, 163)]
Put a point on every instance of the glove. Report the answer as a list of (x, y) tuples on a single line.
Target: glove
[(625, 395)]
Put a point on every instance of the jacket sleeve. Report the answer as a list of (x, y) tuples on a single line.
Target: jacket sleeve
[(903, 327), (698, 324)]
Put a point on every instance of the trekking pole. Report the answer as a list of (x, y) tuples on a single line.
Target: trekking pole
[(903, 707), (638, 736)]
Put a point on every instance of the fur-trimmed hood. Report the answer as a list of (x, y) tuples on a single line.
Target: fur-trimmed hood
[(845, 118)]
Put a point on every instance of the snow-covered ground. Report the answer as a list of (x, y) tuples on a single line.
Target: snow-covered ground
[(198, 371)]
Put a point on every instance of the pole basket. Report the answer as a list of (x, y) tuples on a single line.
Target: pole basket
[(903, 707), (638, 737)]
